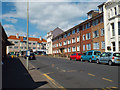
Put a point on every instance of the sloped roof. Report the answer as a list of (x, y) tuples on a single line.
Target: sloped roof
[(57, 31), (30, 39)]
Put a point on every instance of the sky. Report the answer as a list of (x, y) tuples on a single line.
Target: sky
[(44, 16)]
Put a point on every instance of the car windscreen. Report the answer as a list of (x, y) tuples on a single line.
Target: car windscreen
[(79, 54), (97, 53), (116, 54)]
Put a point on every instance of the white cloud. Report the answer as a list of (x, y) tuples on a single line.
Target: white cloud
[(11, 30), (47, 16)]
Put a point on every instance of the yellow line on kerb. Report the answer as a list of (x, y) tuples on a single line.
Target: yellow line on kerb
[(107, 79), (54, 82), (91, 74)]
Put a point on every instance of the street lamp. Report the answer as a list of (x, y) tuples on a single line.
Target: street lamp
[(27, 33)]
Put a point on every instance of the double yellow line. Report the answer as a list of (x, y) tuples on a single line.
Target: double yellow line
[(56, 85)]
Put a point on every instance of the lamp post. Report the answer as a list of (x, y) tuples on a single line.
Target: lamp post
[(27, 32)]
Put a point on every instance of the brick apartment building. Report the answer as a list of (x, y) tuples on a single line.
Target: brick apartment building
[(20, 44), (88, 35)]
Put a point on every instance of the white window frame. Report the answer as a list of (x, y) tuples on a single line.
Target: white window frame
[(87, 36), (83, 37), (78, 48), (73, 49), (69, 41), (78, 39), (96, 45), (88, 46), (69, 49), (103, 45), (73, 40), (83, 47)]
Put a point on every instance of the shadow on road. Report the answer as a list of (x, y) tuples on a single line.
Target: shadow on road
[(15, 75)]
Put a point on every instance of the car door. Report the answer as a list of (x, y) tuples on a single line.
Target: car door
[(108, 56), (102, 57), (84, 56)]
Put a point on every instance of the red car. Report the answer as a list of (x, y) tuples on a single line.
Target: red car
[(75, 56)]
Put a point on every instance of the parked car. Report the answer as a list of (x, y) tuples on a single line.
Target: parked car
[(75, 56), (90, 55), (32, 56), (109, 58)]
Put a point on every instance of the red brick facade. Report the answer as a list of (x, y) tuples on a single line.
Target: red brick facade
[(93, 41)]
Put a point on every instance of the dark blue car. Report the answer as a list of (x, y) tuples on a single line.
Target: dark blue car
[(90, 55)]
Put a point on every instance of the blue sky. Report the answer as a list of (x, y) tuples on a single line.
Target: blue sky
[(44, 16)]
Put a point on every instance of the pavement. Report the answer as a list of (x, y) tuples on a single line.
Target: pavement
[(15, 75)]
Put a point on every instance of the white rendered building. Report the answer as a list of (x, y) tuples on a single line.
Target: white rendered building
[(112, 25), (50, 36)]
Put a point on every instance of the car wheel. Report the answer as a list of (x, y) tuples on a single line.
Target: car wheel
[(98, 61), (110, 63), (90, 60)]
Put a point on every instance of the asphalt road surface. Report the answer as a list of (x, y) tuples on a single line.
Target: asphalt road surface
[(76, 74)]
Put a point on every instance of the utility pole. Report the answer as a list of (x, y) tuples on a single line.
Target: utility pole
[(27, 33)]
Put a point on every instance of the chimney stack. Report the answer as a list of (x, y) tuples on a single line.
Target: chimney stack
[(40, 38), (17, 35)]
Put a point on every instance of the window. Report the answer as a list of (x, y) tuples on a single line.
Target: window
[(119, 8), (78, 48), (83, 28), (95, 22), (87, 25), (101, 19), (73, 40), (95, 34), (119, 45), (25, 47), (60, 44), (102, 45), (29, 43), (78, 39), (10, 46), (21, 47), (89, 53), (118, 28), (16, 47), (65, 36), (87, 36), (69, 49), (83, 47), (69, 34), (102, 32), (73, 49), (65, 49), (96, 45), (88, 46), (113, 30), (78, 30), (65, 42), (115, 10), (111, 12), (33, 43), (57, 51), (69, 41), (73, 32), (33, 47), (57, 45), (16, 42), (113, 44), (83, 37)]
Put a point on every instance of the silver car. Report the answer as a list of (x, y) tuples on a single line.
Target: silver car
[(109, 57)]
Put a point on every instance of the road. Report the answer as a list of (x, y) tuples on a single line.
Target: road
[(76, 74)]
